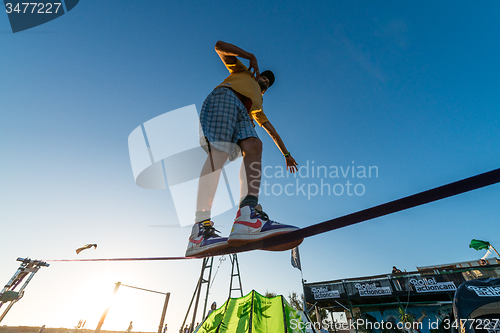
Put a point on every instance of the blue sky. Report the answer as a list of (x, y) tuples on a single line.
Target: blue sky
[(411, 88)]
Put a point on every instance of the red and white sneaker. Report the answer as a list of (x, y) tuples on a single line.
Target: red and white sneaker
[(252, 224), (204, 240)]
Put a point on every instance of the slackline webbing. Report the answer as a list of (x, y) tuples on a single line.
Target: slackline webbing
[(438, 193), (127, 259), (418, 199)]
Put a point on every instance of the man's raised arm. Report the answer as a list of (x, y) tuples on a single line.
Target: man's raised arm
[(228, 53)]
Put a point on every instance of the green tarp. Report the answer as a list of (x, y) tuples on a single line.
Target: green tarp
[(255, 313)]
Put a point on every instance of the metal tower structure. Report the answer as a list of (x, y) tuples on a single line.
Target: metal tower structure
[(207, 264), (206, 268), (28, 269), (234, 262)]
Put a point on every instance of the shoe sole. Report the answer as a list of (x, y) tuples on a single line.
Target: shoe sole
[(207, 249), (243, 239)]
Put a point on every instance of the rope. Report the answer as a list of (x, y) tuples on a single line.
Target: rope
[(221, 259), (126, 259), (438, 193)]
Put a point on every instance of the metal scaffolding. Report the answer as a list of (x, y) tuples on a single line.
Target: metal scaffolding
[(206, 267), (9, 294)]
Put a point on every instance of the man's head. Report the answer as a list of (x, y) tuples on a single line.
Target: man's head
[(265, 80)]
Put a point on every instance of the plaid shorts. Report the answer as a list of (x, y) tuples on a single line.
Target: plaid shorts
[(224, 121)]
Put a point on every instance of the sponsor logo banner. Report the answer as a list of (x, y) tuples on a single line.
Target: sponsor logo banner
[(324, 293), (371, 289), (429, 285)]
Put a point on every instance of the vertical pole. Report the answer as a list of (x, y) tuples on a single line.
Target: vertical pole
[(239, 277), (105, 313), (189, 308), (167, 297), (232, 274), (205, 261), (304, 304), (234, 260)]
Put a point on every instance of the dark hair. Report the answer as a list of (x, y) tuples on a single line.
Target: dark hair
[(269, 75)]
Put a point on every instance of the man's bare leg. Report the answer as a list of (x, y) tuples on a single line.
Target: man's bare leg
[(207, 184), (243, 182), (203, 238), (250, 172), (251, 223)]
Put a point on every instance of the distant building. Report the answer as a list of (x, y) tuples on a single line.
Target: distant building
[(425, 294), (462, 264)]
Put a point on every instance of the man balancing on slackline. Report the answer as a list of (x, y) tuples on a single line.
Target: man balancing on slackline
[(228, 132)]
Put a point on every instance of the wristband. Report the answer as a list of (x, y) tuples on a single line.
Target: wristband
[(287, 154)]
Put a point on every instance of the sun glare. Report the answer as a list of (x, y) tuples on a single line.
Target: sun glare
[(89, 300)]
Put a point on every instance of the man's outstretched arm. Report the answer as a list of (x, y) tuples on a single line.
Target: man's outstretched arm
[(291, 165), (228, 53)]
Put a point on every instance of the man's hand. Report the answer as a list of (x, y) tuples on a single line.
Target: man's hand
[(254, 67), (291, 165)]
